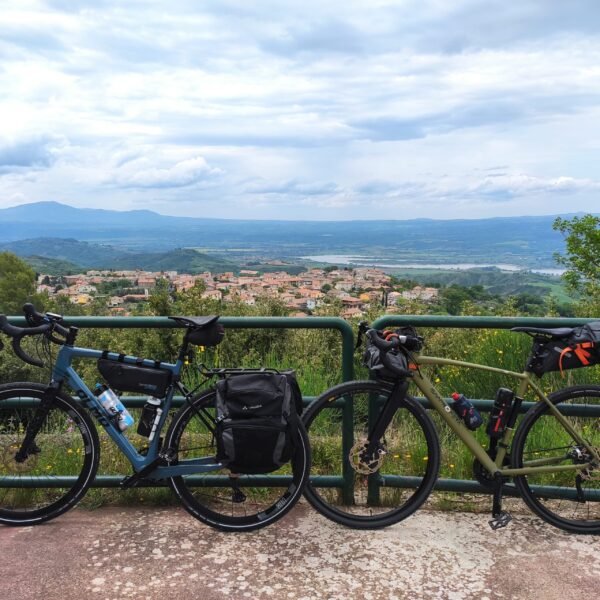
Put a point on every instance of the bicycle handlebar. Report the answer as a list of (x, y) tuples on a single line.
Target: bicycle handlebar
[(392, 341), (41, 324), (18, 333), (382, 344)]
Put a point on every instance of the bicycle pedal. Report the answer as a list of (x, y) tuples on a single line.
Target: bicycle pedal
[(500, 520)]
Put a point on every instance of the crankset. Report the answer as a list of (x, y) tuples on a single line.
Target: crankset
[(484, 477)]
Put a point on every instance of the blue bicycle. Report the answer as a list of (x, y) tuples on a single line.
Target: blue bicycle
[(49, 445)]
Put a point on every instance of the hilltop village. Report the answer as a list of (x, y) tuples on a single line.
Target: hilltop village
[(356, 289)]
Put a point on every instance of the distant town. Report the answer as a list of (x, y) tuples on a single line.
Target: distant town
[(356, 289)]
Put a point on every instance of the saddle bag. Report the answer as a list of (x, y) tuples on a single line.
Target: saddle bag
[(257, 420), (580, 349)]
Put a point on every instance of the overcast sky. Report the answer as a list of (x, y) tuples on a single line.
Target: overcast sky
[(302, 110)]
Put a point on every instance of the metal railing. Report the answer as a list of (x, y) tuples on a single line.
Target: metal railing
[(345, 329)]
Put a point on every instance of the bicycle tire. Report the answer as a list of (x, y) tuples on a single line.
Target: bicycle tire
[(368, 505), (214, 497), (66, 446), (538, 429)]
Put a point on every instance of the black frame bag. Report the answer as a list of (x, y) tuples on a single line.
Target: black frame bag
[(257, 420), (126, 377)]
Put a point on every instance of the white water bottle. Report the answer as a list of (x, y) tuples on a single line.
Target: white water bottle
[(114, 407)]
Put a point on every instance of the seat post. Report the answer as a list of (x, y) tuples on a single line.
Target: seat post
[(183, 350)]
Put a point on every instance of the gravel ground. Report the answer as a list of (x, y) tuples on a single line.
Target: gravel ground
[(147, 553)]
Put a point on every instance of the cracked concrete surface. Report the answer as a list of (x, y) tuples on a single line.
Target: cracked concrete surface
[(147, 553)]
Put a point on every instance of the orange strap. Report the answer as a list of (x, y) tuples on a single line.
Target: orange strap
[(580, 352)]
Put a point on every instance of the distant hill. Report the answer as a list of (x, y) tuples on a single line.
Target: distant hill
[(528, 241), (52, 266), (49, 254), (85, 254)]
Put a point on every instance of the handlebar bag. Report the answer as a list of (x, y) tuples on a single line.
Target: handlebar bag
[(133, 378), (257, 421), (580, 349), (383, 365)]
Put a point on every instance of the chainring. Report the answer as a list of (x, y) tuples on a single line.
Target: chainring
[(484, 477)]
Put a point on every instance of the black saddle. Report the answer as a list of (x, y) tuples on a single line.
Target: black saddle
[(196, 322), (557, 333)]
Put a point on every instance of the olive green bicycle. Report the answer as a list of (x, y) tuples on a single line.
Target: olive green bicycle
[(386, 462)]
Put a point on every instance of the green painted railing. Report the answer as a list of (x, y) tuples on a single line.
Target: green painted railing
[(347, 364), (338, 324)]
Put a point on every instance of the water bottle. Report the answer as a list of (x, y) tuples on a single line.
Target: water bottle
[(113, 406), (150, 417), (466, 411)]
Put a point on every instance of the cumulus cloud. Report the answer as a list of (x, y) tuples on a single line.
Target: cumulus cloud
[(143, 173), (36, 153)]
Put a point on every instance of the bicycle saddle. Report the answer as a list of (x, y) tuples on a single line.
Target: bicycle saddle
[(196, 322), (557, 333)]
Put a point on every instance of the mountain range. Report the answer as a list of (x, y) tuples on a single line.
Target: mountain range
[(97, 237)]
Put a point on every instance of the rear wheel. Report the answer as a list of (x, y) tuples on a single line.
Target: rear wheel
[(568, 499), (389, 486), (59, 467), (220, 498)]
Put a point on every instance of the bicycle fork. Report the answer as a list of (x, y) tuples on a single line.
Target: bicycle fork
[(28, 446)]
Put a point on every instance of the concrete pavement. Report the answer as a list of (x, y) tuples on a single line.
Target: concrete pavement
[(147, 553)]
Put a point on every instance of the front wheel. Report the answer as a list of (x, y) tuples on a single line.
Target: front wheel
[(60, 465), (222, 499), (387, 487), (568, 499)]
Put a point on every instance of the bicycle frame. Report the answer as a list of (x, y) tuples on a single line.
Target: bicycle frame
[(64, 372), (455, 423)]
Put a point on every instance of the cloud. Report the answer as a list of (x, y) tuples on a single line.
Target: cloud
[(508, 186), (293, 188), (223, 104), (327, 36), (142, 173), (37, 153)]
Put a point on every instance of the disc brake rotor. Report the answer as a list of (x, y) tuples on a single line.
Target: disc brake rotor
[(363, 464)]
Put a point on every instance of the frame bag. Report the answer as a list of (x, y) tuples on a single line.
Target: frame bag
[(257, 421), (126, 377)]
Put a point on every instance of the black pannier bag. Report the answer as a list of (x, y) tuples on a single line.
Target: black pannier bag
[(257, 421), (126, 377), (580, 349)]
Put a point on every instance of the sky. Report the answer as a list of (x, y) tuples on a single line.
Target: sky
[(302, 110)]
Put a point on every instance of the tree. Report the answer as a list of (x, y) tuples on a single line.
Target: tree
[(582, 257), (17, 283)]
